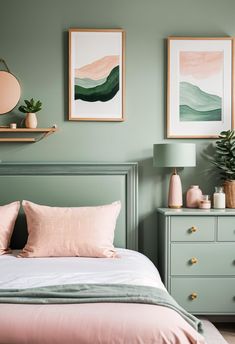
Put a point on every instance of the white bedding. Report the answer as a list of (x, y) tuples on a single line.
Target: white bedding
[(130, 268)]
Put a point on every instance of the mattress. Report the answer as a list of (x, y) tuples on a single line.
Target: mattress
[(87, 323)]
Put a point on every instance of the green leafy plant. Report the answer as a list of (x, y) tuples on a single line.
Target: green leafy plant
[(31, 106), (224, 158)]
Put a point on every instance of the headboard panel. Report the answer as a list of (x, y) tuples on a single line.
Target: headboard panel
[(73, 184)]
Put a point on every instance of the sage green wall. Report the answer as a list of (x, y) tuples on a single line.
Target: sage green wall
[(34, 42)]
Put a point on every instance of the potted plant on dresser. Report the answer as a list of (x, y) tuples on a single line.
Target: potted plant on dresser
[(224, 160), (30, 108)]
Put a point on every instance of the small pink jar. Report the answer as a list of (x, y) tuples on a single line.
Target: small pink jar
[(205, 203), (193, 196)]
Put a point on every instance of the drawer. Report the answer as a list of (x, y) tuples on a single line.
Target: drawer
[(226, 228), (205, 295), (192, 228), (202, 259)]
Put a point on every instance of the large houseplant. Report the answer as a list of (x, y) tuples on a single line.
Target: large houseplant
[(224, 160), (30, 108)]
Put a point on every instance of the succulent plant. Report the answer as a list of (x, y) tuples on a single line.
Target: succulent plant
[(31, 106), (224, 158)]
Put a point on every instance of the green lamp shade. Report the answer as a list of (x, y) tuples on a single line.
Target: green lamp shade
[(174, 154)]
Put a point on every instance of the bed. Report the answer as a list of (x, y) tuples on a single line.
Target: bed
[(84, 299)]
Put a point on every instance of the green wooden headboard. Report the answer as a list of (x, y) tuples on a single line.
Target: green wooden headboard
[(73, 184)]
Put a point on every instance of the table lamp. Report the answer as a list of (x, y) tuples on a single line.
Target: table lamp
[(174, 155)]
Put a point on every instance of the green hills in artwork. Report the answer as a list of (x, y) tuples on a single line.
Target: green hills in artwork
[(98, 91), (197, 105)]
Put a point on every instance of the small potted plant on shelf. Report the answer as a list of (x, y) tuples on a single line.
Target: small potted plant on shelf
[(30, 108), (224, 160)]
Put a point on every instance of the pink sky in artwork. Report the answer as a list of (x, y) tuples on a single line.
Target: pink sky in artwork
[(98, 69), (201, 64)]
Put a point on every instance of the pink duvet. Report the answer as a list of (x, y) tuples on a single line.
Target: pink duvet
[(94, 323)]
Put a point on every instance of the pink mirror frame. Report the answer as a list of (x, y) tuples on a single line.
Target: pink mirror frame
[(10, 92)]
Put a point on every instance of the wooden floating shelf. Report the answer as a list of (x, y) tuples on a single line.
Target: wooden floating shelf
[(34, 134), (17, 139)]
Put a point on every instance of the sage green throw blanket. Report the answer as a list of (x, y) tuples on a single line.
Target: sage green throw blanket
[(94, 293)]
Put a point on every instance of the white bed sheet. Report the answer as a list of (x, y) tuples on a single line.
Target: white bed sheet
[(130, 268)]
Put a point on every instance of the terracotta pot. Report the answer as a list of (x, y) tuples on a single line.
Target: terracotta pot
[(31, 120), (229, 189)]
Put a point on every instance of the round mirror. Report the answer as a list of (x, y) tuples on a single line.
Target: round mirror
[(9, 92)]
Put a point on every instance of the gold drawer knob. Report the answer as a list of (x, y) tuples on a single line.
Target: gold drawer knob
[(193, 229), (193, 296), (193, 260)]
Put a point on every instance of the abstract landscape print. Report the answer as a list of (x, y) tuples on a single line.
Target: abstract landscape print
[(96, 75), (199, 86), (201, 80)]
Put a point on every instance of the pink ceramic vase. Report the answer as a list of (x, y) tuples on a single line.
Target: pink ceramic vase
[(31, 120), (193, 196)]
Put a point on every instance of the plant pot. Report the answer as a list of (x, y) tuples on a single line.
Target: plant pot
[(31, 120), (229, 189)]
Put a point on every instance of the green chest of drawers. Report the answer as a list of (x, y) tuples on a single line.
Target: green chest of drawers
[(197, 258)]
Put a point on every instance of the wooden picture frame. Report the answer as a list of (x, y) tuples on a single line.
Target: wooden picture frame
[(200, 84), (96, 74)]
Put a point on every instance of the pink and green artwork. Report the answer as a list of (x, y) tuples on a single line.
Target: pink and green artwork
[(97, 81), (201, 80), (96, 74), (199, 86)]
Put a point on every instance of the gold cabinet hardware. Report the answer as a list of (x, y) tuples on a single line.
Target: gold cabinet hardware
[(193, 296), (193, 229), (193, 260)]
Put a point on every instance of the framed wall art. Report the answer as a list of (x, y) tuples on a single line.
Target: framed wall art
[(96, 74), (200, 87)]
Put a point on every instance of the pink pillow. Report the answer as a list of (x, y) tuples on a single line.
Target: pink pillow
[(8, 215), (81, 231)]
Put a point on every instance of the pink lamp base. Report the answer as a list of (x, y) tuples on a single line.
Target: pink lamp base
[(175, 199)]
